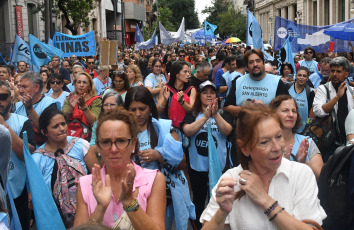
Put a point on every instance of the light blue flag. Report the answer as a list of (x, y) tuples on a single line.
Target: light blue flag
[(42, 53), (167, 39), (286, 55), (138, 35), (254, 31), (10, 54), (80, 45), (45, 210), (50, 42), (149, 43), (215, 170), (209, 28), (20, 52), (2, 60)]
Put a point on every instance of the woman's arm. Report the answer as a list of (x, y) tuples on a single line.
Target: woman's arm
[(93, 111), (224, 127), (82, 214), (163, 99), (189, 107), (316, 164), (154, 217), (154, 91), (193, 128)]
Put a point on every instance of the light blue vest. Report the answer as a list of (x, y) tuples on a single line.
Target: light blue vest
[(71, 87), (144, 142), (100, 87), (265, 89), (17, 167), (38, 107), (311, 65), (316, 79), (229, 78), (198, 149), (302, 104), (61, 98), (154, 81), (46, 164), (298, 138)]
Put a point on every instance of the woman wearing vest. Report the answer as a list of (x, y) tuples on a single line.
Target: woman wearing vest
[(134, 75), (161, 149), (82, 106), (61, 161), (56, 92), (195, 127), (177, 97), (299, 148), (110, 100), (121, 195), (155, 80)]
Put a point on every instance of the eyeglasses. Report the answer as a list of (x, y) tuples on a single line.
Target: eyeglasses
[(55, 82), (118, 82), (110, 104), (118, 72), (158, 66), (182, 55), (119, 143), (90, 63), (308, 52), (4, 96)]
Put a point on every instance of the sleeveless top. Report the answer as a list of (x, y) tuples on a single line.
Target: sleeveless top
[(143, 180), (301, 101), (265, 89)]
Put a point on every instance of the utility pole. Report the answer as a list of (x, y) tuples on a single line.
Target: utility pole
[(47, 24), (115, 18), (123, 25), (51, 18)]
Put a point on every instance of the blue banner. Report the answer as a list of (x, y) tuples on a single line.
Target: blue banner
[(254, 32), (42, 53), (209, 28), (80, 45), (50, 42), (138, 35), (20, 52), (149, 43), (301, 36), (286, 55), (44, 207)]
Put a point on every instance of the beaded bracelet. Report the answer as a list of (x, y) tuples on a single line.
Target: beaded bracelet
[(273, 217), (271, 208), (133, 207)]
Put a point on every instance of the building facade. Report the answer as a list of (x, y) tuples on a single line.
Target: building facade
[(308, 12)]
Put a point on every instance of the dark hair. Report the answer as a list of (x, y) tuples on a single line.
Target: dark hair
[(276, 102), (4, 83), (310, 48), (122, 75), (181, 51), (90, 57), (246, 131), (220, 56), (175, 69), (46, 117), (229, 59), (58, 76), (127, 117), (303, 68), (253, 51), (154, 62), (143, 95), (240, 61), (283, 66), (197, 107), (7, 69), (143, 63), (165, 58)]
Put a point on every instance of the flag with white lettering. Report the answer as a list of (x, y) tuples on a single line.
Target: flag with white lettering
[(41, 53), (20, 52), (80, 45), (149, 43), (209, 28), (44, 207), (138, 35)]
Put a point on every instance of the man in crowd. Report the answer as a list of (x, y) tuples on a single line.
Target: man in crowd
[(341, 99), (76, 69), (268, 68), (230, 66), (90, 63), (5, 73), (120, 58), (173, 57), (202, 74), (321, 77), (21, 67), (16, 124), (220, 58), (309, 63), (33, 101), (256, 87), (102, 81), (240, 70), (56, 68)]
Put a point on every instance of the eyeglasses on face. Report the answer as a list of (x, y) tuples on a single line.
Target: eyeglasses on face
[(309, 52), (90, 63), (110, 104), (182, 55), (55, 82), (119, 143), (4, 96)]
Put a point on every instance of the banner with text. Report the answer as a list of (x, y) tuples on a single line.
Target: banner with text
[(301, 36), (80, 45)]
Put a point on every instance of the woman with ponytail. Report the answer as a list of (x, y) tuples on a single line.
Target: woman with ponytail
[(266, 191)]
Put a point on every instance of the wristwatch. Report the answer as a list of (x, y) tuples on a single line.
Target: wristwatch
[(84, 109)]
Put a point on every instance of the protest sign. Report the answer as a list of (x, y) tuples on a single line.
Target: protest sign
[(108, 52), (80, 45)]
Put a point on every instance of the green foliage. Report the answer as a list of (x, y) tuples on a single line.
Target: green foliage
[(165, 16), (232, 23), (217, 7)]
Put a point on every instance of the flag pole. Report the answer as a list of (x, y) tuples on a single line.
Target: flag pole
[(204, 33)]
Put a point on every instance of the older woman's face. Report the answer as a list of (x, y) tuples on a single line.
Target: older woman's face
[(57, 129), (110, 103), (268, 150), (156, 69), (82, 84), (287, 113), (118, 153)]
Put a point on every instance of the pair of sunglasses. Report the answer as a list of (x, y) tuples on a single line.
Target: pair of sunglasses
[(4, 96), (56, 82)]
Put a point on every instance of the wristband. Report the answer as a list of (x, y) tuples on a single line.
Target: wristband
[(271, 208), (84, 109), (133, 207), (273, 217), (182, 102)]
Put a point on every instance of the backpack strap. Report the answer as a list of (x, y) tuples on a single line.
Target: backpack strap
[(171, 89), (66, 150), (91, 100), (188, 89)]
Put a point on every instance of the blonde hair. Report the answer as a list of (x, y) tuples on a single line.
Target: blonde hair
[(92, 92), (138, 75)]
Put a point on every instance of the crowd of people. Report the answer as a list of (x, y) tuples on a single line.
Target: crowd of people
[(128, 146)]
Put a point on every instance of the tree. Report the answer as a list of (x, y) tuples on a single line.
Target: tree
[(217, 7), (180, 9), (232, 23), (75, 12), (164, 16)]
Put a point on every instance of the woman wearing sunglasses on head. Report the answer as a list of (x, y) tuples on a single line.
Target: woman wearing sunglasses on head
[(56, 91)]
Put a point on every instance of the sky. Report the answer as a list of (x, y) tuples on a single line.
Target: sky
[(199, 6)]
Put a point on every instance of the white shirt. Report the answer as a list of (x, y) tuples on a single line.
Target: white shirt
[(321, 99), (295, 188)]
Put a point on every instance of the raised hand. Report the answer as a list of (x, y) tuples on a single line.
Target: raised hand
[(166, 93), (214, 107), (180, 96), (72, 98), (303, 150), (127, 195), (225, 195), (81, 101), (27, 101), (101, 191)]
